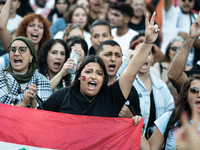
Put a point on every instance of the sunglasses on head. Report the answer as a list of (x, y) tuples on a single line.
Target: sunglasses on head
[(188, 0), (175, 48), (194, 90)]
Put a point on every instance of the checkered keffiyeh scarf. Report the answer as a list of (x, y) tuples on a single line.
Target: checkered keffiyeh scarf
[(5, 96), (43, 88)]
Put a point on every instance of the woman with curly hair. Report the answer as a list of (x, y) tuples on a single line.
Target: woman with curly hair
[(33, 26), (53, 55)]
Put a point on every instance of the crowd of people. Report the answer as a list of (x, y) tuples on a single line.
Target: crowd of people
[(126, 66)]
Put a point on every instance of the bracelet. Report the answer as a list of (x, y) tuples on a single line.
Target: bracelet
[(147, 42), (142, 133)]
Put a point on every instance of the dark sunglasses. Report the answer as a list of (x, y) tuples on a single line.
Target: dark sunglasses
[(194, 90), (188, 0), (175, 48), (21, 49)]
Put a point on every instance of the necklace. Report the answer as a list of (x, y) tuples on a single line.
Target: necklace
[(149, 89), (145, 79), (88, 99)]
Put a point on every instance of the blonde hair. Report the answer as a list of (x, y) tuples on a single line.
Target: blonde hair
[(68, 29)]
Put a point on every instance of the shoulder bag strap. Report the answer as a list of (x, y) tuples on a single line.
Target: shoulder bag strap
[(9, 90)]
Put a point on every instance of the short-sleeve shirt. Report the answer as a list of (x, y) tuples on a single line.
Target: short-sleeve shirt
[(161, 124), (106, 104), (133, 102)]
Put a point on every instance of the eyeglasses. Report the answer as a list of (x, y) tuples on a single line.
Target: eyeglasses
[(175, 48), (21, 49), (194, 90), (188, 0)]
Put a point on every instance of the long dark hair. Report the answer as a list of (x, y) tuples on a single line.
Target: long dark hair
[(89, 59), (42, 60), (77, 40), (181, 105)]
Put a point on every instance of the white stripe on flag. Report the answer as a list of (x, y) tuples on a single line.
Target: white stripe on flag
[(11, 146)]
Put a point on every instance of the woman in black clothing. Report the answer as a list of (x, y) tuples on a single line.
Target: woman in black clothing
[(90, 95)]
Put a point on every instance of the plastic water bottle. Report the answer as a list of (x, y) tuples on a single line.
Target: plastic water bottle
[(75, 57)]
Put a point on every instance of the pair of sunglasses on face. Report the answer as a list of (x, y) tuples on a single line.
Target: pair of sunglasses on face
[(194, 90), (21, 49), (175, 48), (188, 0)]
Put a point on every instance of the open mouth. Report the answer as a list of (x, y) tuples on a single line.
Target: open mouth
[(97, 4), (139, 11), (92, 85), (198, 103), (57, 65), (80, 23), (112, 67), (145, 66), (18, 61), (34, 36), (186, 6)]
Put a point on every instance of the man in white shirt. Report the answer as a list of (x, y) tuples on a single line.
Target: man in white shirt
[(13, 22), (177, 21), (14, 18), (120, 15)]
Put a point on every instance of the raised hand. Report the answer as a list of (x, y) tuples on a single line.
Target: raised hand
[(195, 28), (187, 136), (151, 30), (69, 64), (80, 51)]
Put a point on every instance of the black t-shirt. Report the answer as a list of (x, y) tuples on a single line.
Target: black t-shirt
[(141, 28), (92, 51), (152, 116), (195, 69), (138, 27), (105, 104), (24, 8), (134, 103)]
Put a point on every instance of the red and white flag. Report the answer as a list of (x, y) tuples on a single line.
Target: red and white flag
[(27, 129)]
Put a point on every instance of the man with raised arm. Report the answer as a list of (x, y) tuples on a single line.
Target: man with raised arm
[(177, 21), (175, 73)]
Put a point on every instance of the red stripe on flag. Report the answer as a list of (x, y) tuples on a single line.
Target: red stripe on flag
[(65, 131)]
